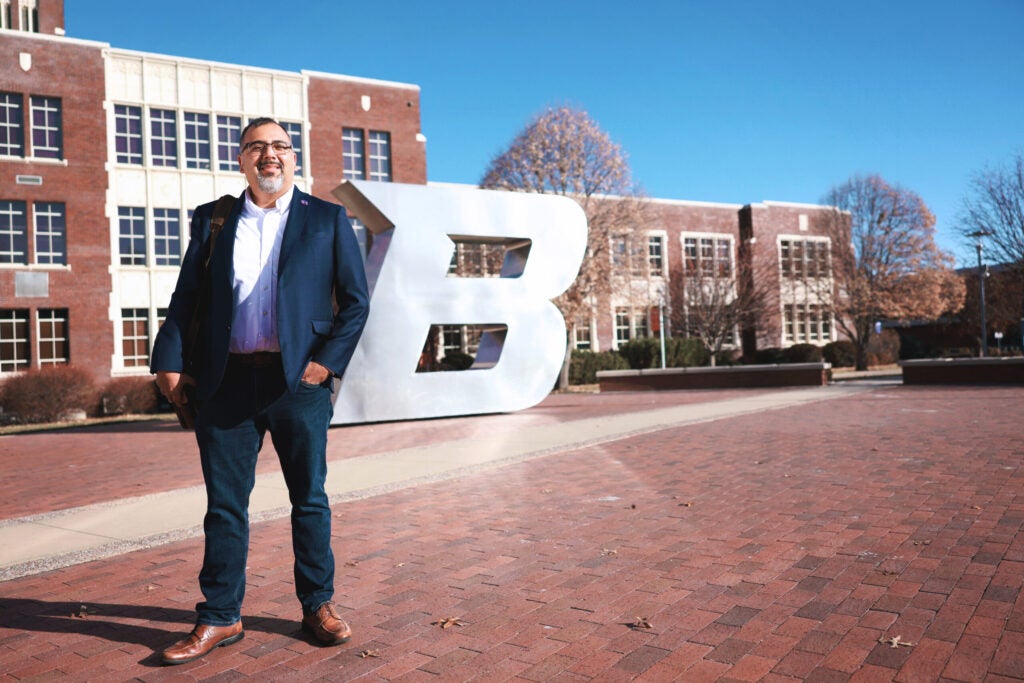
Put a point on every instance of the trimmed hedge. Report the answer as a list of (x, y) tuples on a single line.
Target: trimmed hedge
[(841, 354), (802, 353), (47, 395), (645, 353), (584, 365)]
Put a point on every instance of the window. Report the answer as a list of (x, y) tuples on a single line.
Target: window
[(135, 337), (5, 14), (352, 154), (166, 237), (12, 133), (52, 336), (708, 256), (50, 233), (229, 129), (47, 135), (13, 339), (294, 131), (13, 233), (356, 160), (132, 235), (29, 16), (380, 156), (581, 334), (621, 325), (197, 140), (804, 258), (163, 137), (806, 324), (451, 339), (655, 254), (128, 134)]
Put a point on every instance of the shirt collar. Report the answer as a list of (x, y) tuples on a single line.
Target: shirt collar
[(282, 203)]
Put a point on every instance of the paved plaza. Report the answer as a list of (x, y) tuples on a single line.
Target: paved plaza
[(864, 531)]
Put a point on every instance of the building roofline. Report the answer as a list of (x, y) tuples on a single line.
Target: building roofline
[(793, 205), (694, 202), (200, 62), (360, 79), (82, 42)]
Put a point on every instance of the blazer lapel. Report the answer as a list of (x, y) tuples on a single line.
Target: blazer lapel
[(298, 212)]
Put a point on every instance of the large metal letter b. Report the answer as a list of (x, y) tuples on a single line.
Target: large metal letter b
[(416, 228)]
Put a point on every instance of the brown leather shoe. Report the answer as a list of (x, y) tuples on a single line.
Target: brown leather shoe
[(202, 639), (327, 626)]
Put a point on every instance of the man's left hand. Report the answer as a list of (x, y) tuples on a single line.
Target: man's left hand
[(315, 373)]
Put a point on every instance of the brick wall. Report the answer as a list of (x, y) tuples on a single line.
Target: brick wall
[(72, 71), (338, 102)]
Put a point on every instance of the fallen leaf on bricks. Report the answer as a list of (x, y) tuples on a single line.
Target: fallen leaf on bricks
[(609, 551), (369, 653), (545, 490), (922, 542), (151, 587), (352, 563), (448, 622), (688, 504), (895, 642), (400, 564), (642, 622), (82, 613), (975, 507)]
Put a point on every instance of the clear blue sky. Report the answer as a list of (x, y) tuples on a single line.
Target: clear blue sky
[(715, 100)]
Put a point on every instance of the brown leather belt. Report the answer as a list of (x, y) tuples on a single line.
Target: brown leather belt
[(260, 359)]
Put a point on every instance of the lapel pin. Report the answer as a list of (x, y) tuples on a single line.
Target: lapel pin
[(304, 202)]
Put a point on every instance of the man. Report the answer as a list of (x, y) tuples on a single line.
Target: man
[(286, 302)]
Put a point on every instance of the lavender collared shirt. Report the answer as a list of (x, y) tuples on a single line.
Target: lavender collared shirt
[(254, 277)]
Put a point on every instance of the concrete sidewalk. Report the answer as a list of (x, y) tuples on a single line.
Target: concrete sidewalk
[(735, 536)]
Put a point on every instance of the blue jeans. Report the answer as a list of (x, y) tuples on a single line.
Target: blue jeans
[(230, 429)]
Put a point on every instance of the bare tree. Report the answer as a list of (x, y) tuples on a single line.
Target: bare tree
[(563, 151), (716, 298), (993, 214), (995, 206), (886, 265)]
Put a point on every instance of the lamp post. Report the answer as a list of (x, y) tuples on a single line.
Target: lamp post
[(978, 234)]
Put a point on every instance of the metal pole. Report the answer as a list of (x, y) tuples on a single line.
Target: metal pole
[(981, 290), (661, 332)]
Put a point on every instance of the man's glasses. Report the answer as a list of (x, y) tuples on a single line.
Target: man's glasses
[(257, 147)]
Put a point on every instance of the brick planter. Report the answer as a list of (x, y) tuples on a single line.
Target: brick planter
[(963, 371), (733, 377)]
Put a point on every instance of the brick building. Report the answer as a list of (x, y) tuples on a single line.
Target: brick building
[(104, 152)]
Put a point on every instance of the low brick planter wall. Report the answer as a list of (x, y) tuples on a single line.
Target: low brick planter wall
[(963, 371), (732, 377)]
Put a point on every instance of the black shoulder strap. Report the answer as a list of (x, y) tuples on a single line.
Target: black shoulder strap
[(221, 211)]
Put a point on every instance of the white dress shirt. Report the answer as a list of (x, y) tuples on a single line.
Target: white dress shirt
[(254, 278)]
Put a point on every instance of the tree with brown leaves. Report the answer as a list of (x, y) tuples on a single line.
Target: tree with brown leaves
[(886, 265), (563, 151)]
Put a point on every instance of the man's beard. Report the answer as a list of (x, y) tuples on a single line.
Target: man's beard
[(270, 184)]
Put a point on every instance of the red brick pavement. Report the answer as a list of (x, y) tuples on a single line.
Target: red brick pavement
[(779, 546), (55, 470)]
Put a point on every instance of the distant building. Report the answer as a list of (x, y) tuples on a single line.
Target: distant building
[(104, 152)]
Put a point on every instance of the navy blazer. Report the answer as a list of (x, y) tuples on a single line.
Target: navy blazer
[(322, 299)]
